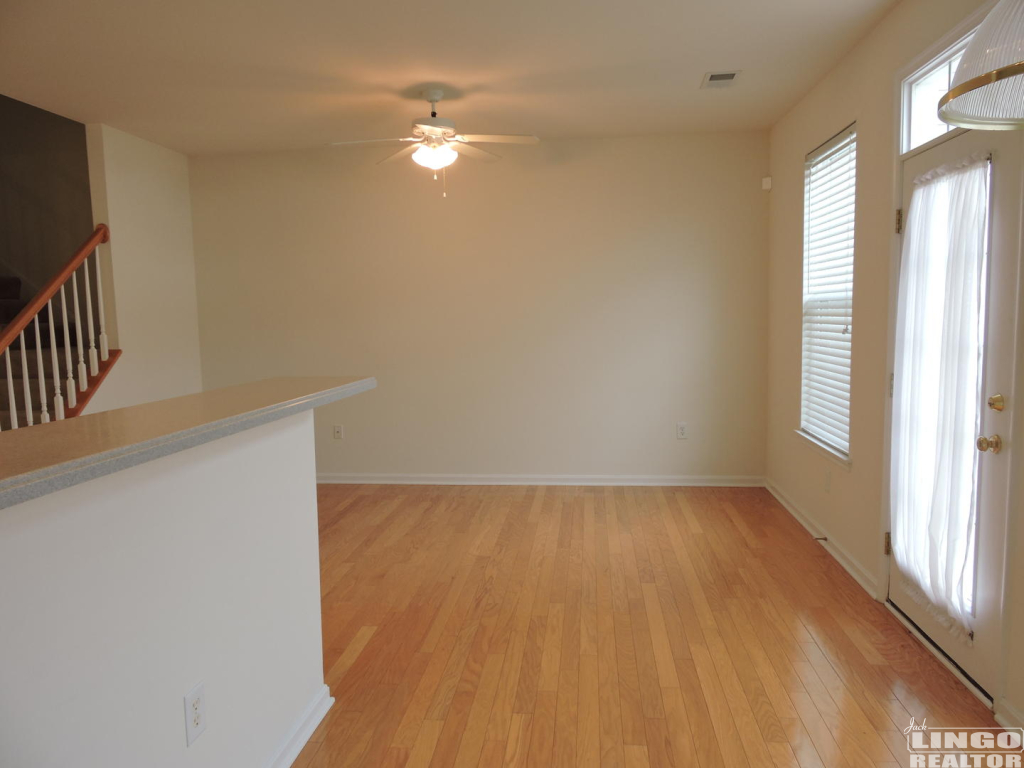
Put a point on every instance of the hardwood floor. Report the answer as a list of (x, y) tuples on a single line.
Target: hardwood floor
[(534, 627)]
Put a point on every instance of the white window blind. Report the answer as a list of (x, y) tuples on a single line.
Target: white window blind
[(829, 207)]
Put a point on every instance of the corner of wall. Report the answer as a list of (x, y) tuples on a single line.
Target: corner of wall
[(871, 583), (94, 136)]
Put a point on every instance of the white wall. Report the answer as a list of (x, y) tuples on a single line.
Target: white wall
[(141, 190), (124, 592), (557, 314), (1011, 708), (848, 505)]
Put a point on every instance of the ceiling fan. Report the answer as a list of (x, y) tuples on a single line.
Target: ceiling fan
[(434, 144)]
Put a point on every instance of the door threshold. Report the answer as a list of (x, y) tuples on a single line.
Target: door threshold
[(980, 693)]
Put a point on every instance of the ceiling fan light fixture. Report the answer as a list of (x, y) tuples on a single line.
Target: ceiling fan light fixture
[(435, 157), (988, 87)]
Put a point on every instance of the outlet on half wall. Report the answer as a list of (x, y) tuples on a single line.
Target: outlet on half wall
[(195, 713)]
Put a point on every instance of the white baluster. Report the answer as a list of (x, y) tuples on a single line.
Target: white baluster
[(58, 399), (70, 389), (104, 343), (10, 390), (26, 388), (83, 377), (94, 365), (44, 412)]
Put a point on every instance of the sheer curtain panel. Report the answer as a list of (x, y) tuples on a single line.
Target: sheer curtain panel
[(939, 335)]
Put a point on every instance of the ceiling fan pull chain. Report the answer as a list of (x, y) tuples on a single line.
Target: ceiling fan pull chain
[(444, 182)]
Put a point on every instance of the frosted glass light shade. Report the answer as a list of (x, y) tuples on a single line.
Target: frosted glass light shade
[(435, 158), (988, 88)]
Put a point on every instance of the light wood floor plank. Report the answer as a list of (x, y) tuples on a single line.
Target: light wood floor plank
[(471, 627)]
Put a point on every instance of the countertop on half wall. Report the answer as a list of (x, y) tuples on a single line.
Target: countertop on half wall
[(41, 459)]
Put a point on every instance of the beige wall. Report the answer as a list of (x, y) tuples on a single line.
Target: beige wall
[(557, 314), (141, 190), (847, 505)]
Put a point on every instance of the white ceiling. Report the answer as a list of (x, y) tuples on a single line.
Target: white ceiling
[(209, 76)]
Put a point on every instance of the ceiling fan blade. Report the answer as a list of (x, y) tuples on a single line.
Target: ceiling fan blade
[(508, 138), (474, 152), (403, 152), (369, 141)]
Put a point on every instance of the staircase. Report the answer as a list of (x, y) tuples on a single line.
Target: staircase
[(53, 347)]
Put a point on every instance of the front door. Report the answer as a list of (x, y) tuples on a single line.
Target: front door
[(956, 312)]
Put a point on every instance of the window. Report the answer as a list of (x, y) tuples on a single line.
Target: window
[(829, 206), (921, 94)]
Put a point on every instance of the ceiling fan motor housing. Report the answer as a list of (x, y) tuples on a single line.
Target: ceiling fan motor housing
[(433, 126)]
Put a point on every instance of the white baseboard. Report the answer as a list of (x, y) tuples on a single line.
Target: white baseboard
[(302, 729), (731, 481), (861, 574), (1008, 715)]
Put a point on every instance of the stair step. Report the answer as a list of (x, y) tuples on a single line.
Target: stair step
[(5, 418), (33, 368), (19, 395), (18, 384), (10, 287), (9, 309), (44, 335)]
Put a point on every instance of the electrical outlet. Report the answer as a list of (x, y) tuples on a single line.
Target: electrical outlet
[(339, 432), (681, 432), (195, 713)]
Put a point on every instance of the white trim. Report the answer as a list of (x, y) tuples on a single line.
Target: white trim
[(302, 729), (726, 481), (860, 574), (1008, 715), (931, 144), (940, 655)]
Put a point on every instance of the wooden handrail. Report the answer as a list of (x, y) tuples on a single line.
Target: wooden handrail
[(100, 235)]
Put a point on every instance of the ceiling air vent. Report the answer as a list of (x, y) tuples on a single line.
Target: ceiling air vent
[(719, 79)]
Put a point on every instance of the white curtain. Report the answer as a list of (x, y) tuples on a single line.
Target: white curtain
[(939, 331)]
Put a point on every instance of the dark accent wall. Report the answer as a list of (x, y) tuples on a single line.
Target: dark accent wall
[(45, 206)]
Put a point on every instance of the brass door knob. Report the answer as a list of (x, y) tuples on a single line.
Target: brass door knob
[(997, 402), (994, 443)]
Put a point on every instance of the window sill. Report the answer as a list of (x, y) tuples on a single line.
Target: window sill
[(826, 450)]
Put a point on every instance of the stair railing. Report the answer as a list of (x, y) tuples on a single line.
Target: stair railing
[(74, 382)]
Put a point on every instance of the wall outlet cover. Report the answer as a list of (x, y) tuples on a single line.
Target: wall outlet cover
[(681, 430), (339, 432), (195, 713)]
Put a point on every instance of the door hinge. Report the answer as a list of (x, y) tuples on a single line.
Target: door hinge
[(892, 383), (899, 221), (888, 543)]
